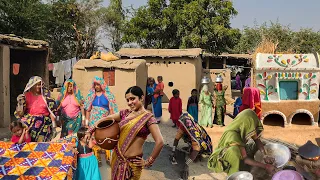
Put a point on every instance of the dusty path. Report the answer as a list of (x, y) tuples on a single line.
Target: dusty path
[(163, 169)]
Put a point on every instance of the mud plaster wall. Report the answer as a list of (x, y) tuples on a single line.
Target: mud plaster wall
[(185, 73), (287, 108), (226, 79), (4, 86), (123, 80)]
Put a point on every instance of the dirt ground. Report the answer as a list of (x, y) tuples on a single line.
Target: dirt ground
[(163, 169)]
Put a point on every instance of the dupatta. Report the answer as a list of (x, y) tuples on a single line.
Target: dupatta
[(251, 100), (129, 128), (63, 93), (46, 95), (113, 108)]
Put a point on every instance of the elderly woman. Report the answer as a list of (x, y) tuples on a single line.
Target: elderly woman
[(194, 135), (36, 109), (70, 105), (99, 103), (231, 155)]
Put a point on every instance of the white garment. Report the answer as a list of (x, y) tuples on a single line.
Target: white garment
[(58, 73), (73, 62), (67, 69)]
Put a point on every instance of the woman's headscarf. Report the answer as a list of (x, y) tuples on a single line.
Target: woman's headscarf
[(251, 100), (246, 124), (205, 88), (64, 92), (51, 105), (113, 108)]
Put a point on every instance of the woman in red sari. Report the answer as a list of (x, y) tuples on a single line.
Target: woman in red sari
[(251, 100), (136, 123)]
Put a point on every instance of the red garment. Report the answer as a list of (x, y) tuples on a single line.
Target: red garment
[(36, 105), (15, 139), (175, 109), (251, 100)]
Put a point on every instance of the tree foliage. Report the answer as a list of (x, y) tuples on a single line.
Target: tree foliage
[(183, 24), (70, 26), (287, 40)]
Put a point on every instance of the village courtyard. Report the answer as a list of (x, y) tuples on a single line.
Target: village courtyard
[(298, 133)]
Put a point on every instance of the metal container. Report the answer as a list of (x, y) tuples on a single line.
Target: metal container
[(279, 152), (287, 175), (205, 80), (219, 79), (241, 175)]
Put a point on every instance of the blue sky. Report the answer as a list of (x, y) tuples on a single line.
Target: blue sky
[(295, 13)]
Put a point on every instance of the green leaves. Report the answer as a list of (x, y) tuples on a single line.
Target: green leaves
[(183, 24)]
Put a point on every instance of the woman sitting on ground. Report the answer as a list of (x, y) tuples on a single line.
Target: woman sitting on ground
[(231, 154)]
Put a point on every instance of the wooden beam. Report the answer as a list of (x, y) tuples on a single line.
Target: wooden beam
[(224, 63)]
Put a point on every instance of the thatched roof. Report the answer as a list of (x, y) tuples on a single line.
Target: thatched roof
[(22, 42), (118, 64), (163, 53)]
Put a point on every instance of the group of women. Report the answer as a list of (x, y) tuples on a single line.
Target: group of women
[(207, 102), (37, 110)]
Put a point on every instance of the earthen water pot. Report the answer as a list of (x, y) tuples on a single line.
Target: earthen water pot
[(107, 134)]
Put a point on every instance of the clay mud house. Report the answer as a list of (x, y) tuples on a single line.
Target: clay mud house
[(119, 76), (228, 65), (289, 86), (33, 58), (180, 68)]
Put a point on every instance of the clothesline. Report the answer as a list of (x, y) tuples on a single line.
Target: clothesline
[(62, 70)]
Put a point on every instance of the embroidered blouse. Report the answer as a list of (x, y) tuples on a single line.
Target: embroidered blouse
[(144, 131)]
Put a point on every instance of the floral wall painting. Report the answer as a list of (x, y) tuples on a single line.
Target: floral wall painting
[(265, 89), (308, 87), (287, 62)]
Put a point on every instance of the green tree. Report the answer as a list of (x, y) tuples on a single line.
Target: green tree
[(183, 24)]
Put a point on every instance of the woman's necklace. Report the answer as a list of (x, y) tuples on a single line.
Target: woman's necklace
[(137, 112)]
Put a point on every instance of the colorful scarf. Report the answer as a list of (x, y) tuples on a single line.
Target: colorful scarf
[(113, 108), (251, 100), (121, 168), (195, 133), (63, 93), (237, 133)]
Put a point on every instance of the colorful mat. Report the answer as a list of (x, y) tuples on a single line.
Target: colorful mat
[(35, 161)]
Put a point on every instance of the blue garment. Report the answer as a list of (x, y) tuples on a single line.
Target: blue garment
[(87, 168), (193, 111), (150, 91), (101, 101), (157, 107), (236, 106)]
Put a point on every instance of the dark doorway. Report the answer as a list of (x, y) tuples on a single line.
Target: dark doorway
[(301, 119)]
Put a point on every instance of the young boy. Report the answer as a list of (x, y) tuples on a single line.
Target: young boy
[(159, 89), (175, 107)]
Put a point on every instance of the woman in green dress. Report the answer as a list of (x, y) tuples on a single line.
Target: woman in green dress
[(220, 108), (206, 107), (231, 152)]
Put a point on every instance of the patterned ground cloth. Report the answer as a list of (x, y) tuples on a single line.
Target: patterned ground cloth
[(45, 161)]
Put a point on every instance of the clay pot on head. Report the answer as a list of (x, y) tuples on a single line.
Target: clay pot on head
[(107, 134)]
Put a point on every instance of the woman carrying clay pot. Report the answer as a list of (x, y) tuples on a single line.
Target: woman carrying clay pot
[(136, 123), (36, 109), (99, 103)]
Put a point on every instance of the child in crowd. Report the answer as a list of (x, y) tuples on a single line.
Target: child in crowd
[(159, 89), (192, 106), (237, 104), (175, 107), (20, 134), (87, 163)]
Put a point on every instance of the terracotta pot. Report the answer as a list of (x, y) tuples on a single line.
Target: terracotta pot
[(107, 134)]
